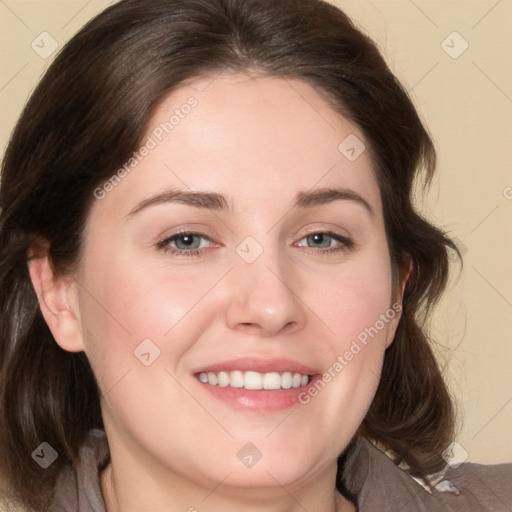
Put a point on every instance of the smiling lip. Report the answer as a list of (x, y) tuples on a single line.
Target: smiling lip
[(260, 365), (257, 400)]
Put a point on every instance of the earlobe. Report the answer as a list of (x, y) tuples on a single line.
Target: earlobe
[(57, 300)]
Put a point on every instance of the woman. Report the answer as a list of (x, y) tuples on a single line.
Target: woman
[(213, 275)]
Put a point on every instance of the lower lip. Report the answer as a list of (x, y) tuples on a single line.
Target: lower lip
[(258, 400)]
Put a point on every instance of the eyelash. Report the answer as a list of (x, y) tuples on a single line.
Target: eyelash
[(346, 244), (164, 244)]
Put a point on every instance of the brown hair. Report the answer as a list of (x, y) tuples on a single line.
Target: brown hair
[(88, 115)]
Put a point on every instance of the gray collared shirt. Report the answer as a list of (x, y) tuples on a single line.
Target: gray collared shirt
[(369, 474)]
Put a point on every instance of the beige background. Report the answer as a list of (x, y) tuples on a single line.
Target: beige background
[(466, 100)]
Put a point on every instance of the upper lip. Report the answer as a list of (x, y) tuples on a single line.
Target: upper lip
[(261, 365)]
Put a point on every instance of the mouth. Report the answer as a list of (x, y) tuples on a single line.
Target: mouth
[(254, 381)]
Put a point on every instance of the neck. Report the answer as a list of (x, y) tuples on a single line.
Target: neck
[(128, 492)]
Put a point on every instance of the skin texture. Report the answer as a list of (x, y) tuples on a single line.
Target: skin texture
[(259, 142)]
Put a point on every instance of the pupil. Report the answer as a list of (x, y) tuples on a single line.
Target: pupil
[(319, 240), (189, 241)]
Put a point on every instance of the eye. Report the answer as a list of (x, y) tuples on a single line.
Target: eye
[(186, 243), (326, 242), (322, 240)]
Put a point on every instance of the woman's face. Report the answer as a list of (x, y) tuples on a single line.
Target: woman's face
[(248, 238)]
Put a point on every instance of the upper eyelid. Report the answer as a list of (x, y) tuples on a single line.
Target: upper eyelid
[(169, 238), (204, 235), (329, 232), (324, 231), (343, 239)]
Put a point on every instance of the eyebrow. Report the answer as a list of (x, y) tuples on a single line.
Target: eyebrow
[(218, 202), (207, 200), (328, 195)]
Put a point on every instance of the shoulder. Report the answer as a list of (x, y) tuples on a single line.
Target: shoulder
[(489, 486), (378, 483)]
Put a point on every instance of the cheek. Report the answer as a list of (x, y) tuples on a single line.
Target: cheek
[(354, 299), (125, 303), (358, 320)]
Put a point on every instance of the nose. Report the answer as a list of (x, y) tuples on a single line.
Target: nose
[(264, 302)]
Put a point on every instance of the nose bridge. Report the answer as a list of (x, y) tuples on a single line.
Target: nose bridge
[(263, 297)]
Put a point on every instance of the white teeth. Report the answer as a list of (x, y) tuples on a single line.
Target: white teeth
[(212, 379), (223, 379), (254, 380), (286, 380), (272, 381), (236, 379)]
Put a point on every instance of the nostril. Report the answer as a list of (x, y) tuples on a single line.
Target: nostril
[(290, 326)]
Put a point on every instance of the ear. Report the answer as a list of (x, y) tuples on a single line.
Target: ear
[(405, 271), (57, 296), (396, 308)]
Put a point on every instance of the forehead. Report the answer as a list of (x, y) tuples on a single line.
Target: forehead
[(249, 138)]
